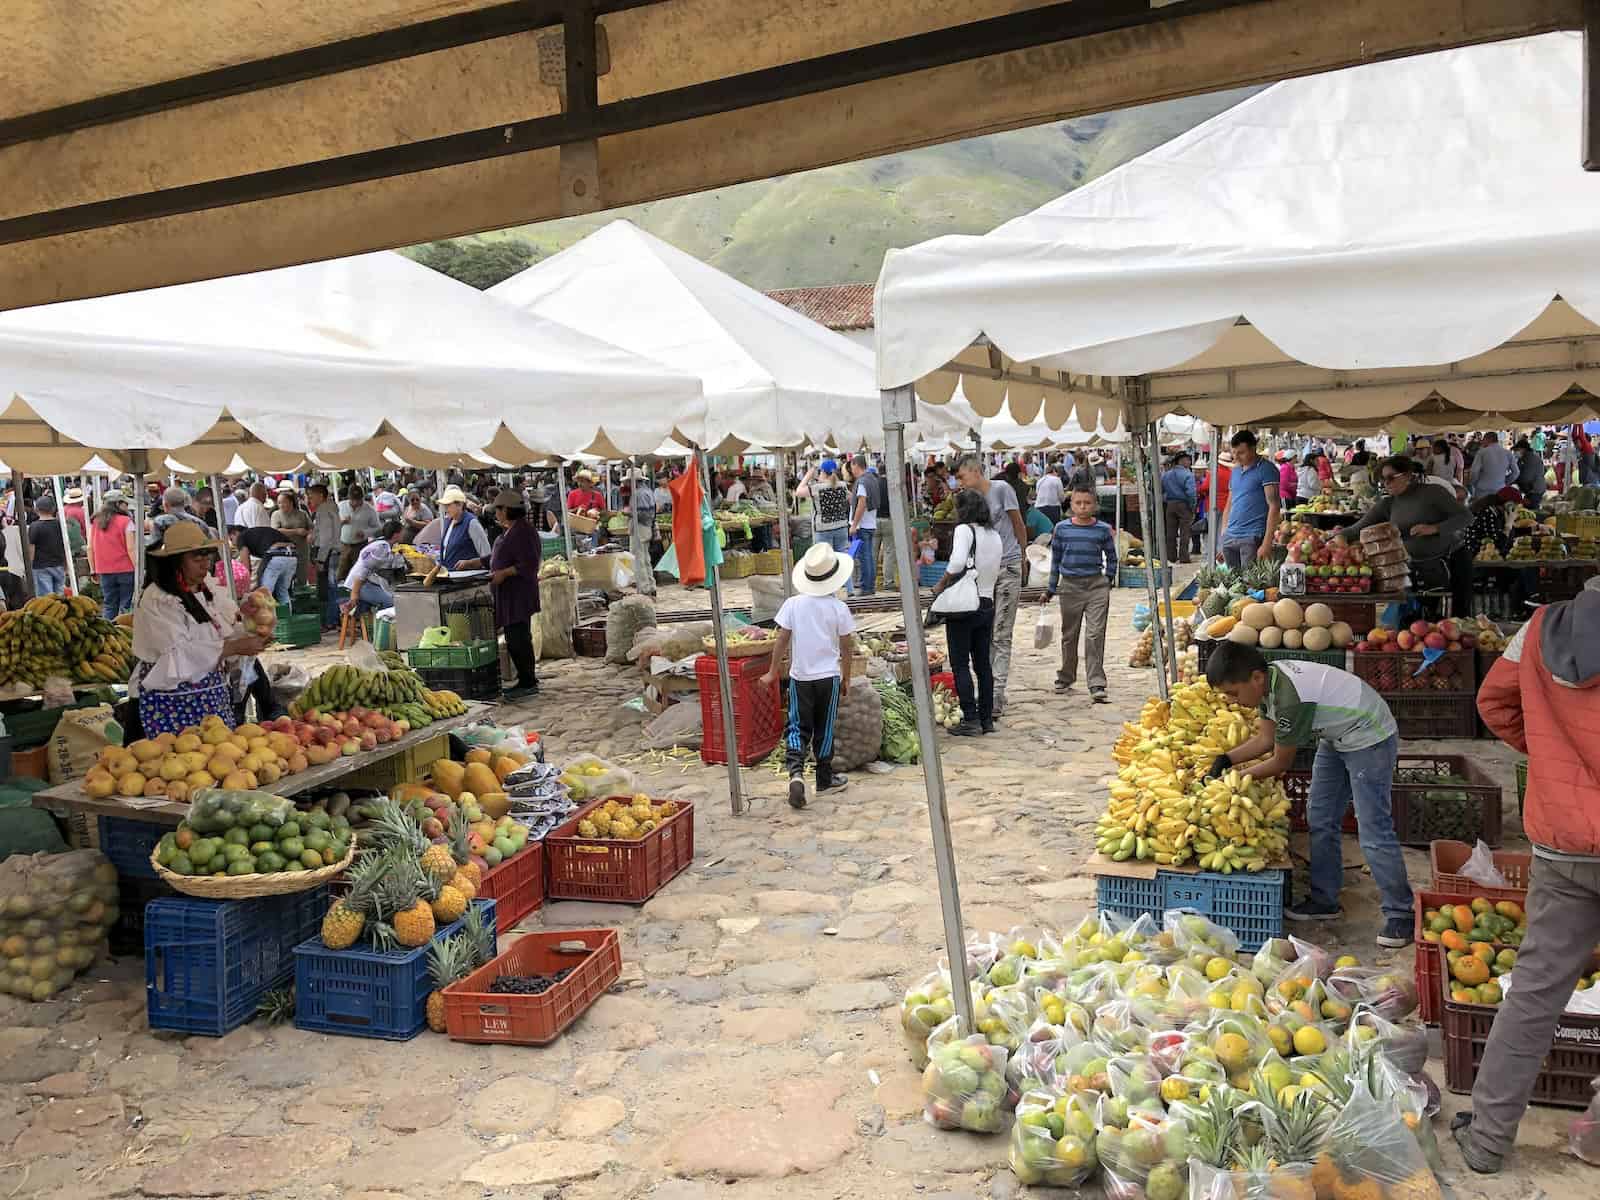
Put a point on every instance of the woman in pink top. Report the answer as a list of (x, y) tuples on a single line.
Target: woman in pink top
[(1288, 480), (111, 550)]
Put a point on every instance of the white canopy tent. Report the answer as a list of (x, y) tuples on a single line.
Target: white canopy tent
[(339, 359), (1409, 244)]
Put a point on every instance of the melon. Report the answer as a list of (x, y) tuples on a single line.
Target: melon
[(1319, 614), (479, 779), (1245, 634), (494, 804), (1220, 627), (1239, 605), (1270, 638), (1342, 634), (1287, 614), (1257, 616), (479, 755), (1293, 639), (1318, 638), (504, 764), (449, 777)]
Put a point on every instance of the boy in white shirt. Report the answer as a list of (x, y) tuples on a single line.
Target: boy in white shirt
[(816, 636)]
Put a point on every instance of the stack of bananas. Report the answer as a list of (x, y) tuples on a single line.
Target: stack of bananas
[(65, 636), (1163, 809)]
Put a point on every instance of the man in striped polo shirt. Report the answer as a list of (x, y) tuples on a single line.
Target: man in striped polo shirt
[(1083, 562)]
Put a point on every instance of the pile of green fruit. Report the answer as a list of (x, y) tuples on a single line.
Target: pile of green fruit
[(252, 833), (965, 1084)]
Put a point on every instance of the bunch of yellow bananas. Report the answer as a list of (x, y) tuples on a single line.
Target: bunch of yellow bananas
[(1163, 809)]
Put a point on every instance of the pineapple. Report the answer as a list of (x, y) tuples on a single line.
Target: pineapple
[(1297, 1131), (1252, 1172), (448, 906), (393, 828), (438, 862), (347, 917), (1215, 1134), (408, 916), (1421, 1186), (480, 936), (449, 959), (463, 884)]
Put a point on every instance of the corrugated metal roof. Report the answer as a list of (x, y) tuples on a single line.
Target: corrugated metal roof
[(838, 306)]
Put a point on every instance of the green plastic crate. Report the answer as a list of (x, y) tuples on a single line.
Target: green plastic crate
[(462, 657), (303, 630), (303, 602), (285, 611)]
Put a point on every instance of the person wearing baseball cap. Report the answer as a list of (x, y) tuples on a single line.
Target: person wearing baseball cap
[(816, 637), (463, 541)]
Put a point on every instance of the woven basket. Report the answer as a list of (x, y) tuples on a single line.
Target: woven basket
[(740, 649), (582, 524), (251, 887)]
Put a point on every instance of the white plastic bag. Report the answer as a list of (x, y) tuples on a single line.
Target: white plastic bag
[(1043, 630), (1480, 867), (1583, 1136)]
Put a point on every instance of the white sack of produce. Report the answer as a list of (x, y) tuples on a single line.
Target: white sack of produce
[(624, 620), (55, 913)]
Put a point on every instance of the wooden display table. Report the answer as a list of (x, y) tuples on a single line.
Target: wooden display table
[(67, 799)]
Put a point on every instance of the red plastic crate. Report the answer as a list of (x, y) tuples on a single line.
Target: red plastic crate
[(516, 885), (472, 1013), (1455, 672), (1428, 959), (1567, 1075), (758, 716), (1449, 857), (1297, 786), (1360, 615), (1429, 716), (1410, 800), (626, 872)]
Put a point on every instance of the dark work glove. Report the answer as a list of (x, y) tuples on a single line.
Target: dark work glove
[(1220, 766)]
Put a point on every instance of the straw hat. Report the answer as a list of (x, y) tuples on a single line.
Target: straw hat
[(182, 537), (822, 572), (288, 486), (74, 495), (453, 495)]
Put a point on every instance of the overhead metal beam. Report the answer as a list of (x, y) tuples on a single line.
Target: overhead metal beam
[(1591, 85), (1055, 23), (350, 54)]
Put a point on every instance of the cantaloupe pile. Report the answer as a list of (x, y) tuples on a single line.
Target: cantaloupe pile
[(1284, 625)]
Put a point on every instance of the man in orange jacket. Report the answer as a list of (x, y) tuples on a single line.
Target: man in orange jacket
[(1543, 698)]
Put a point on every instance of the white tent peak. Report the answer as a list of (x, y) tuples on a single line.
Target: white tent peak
[(1401, 214), (772, 377)]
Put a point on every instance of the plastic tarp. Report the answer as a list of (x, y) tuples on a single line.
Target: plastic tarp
[(1337, 250), (773, 378), (340, 359)]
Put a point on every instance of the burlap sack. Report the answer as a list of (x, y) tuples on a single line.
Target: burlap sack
[(79, 737)]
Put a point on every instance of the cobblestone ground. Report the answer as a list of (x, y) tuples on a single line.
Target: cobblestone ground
[(752, 1039)]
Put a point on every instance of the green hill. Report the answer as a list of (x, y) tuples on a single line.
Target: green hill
[(832, 225)]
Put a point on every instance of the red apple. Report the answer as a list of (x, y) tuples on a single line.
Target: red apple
[(1405, 639), (1363, 647), (1435, 641), (433, 827), (1421, 629), (1450, 630), (369, 740), (350, 747)]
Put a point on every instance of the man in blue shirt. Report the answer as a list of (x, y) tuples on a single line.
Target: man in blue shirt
[(1180, 494), (1083, 562), (1251, 521)]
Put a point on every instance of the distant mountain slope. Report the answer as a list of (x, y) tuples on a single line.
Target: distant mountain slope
[(833, 224)]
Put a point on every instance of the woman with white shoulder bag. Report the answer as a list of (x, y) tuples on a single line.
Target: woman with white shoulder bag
[(964, 598)]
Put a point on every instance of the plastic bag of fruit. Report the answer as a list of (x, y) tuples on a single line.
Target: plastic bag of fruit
[(1371, 1139), (923, 1009), (1583, 1135), (1136, 1083), (964, 1083), (1053, 1140), (1042, 1061), (1390, 993), (55, 912), (1404, 1043), (1009, 1014), (1117, 1024), (1276, 954), (258, 612), (1194, 935), (983, 950), (217, 810), (1146, 1160), (589, 777), (1082, 1068)]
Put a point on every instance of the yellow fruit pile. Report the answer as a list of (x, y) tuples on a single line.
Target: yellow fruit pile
[(203, 756), (63, 636), (625, 820), (1163, 809)]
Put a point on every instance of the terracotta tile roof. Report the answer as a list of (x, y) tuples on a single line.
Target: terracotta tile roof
[(838, 306)]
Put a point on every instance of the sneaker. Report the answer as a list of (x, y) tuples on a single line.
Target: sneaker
[(1100, 697), (797, 792), (967, 729), (513, 694), (1314, 910), (988, 726), (1063, 687), (1396, 933), (1472, 1154), (836, 784)]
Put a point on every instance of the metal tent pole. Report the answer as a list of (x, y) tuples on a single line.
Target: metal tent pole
[(1166, 563), (66, 541), (1158, 654), (566, 531), (782, 485), (227, 547), (1213, 534), (899, 406), (730, 740), (138, 539), (1116, 505)]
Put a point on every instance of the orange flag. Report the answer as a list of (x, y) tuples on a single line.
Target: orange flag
[(687, 499)]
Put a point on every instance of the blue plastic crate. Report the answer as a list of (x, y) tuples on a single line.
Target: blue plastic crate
[(929, 574), (127, 845), (207, 963), (1250, 904), (1135, 577), (365, 993)]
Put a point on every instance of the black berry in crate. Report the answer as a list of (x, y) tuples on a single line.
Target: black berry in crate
[(528, 985)]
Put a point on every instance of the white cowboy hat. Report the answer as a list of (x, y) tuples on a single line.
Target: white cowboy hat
[(287, 485), (453, 495), (822, 572)]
